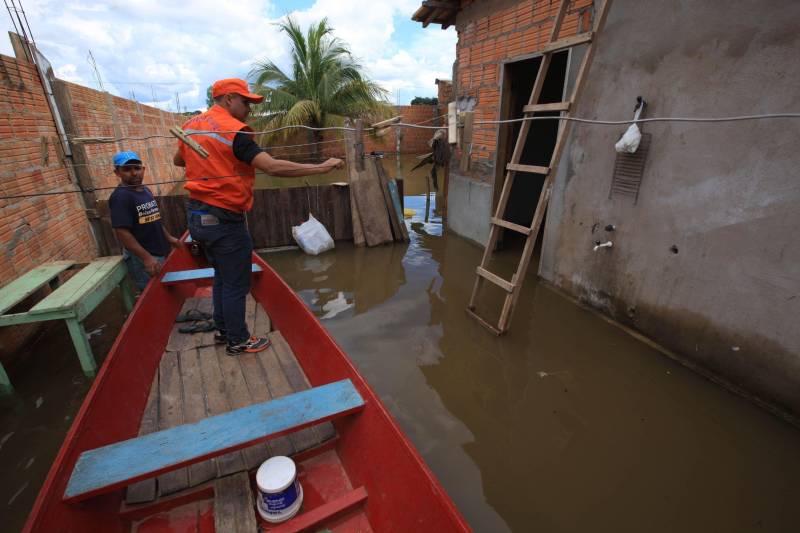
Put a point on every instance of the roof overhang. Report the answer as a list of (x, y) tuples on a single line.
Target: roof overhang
[(437, 12)]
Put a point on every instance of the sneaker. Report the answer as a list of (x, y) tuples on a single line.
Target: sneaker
[(221, 337), (251, 345)]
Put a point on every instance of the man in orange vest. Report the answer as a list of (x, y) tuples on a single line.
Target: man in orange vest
[(221, 192)]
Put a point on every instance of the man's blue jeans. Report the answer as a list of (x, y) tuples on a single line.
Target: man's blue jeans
[(229, 248), (136, 268)]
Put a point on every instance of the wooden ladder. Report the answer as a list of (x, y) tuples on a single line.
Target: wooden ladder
[(497, 222)]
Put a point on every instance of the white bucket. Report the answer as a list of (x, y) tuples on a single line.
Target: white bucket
[(279, 493)]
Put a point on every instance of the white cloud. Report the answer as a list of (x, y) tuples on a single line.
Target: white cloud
[(158, 48)]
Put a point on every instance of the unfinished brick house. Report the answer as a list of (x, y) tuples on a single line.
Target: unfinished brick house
[(702, 220)]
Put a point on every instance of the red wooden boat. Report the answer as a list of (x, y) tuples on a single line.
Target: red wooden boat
[(365, 476)]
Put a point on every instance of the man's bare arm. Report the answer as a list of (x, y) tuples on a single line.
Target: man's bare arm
[(288, 169), (177, 159), (130, 243)]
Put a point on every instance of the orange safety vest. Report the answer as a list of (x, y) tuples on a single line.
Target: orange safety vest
[(234, 191)]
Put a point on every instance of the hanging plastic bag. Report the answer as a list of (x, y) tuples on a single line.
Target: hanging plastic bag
[(312, 236), (629, 142)]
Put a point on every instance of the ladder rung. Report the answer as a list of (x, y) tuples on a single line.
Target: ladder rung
[(533, 169), (497, 280), (556, 106), (485, 324), (510, 225), (567, 42)]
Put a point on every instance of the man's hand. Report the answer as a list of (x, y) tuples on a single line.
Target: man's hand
[(177, 244), (151, 266), (332, 163)]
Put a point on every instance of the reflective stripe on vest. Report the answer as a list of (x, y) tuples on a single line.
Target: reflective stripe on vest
[(220, 179), (211, 134)]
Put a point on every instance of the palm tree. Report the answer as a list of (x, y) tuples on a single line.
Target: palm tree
[(325, 85)]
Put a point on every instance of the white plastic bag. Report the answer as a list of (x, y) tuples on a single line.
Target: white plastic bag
[(629, 142), (312, 236)]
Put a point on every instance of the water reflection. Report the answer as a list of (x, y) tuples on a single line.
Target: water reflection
[(566, 423)]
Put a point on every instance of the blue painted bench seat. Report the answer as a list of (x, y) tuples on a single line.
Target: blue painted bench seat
[(117, 465), (181, 276)]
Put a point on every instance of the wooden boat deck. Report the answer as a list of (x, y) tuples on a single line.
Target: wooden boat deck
[(196, 379)]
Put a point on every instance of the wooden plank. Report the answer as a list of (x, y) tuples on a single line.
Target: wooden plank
[(217, 403), (233, 505), (239, 396), (256, 381), (352, 171), (30, 282), (372, 211), (279, 387), (205, 338), (297, 379), (107, 468), (94, 296), (494, 278), (567, 42), (170, 414), (67, 295), (263, 322), (533, 169), (318, 516), (376, 168), (194, 410), (510, 225), (145, 490), (178, 341), (180, 276), (398, 207), (540, 108)]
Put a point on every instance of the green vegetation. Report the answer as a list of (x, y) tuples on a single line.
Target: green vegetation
[(324, 86), (425, 100)]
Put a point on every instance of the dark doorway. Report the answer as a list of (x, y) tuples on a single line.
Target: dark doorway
[(518, 80)]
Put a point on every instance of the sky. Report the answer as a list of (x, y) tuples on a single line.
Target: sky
[(162, 52)]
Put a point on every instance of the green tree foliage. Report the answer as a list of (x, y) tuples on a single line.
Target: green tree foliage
[(209, 98), (324, 85), (424, 100)]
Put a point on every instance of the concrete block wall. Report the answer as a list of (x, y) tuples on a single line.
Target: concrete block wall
[(706, 261)]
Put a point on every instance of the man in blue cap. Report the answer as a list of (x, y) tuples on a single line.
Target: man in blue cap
[(137, 221)]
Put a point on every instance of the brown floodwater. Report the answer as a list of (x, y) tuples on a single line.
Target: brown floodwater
[(566, 424)]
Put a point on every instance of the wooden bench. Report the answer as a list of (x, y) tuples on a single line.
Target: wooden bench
[(70, 302), (184, 276), (108, 468)]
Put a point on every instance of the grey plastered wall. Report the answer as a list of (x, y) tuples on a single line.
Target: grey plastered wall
[(469, 204), (726, 195)]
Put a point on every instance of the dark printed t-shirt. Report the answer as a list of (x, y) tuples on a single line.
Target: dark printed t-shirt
[(138, 212)]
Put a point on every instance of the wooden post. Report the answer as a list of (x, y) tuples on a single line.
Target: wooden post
[(82, 346), (398, 135), (360, 145)]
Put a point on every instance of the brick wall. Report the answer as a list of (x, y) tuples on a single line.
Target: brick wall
[(412, 141), (37, 229), (486, 38), (42, 228), (99, 114)]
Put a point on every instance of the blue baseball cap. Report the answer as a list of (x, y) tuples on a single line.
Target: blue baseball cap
[(123, 158)]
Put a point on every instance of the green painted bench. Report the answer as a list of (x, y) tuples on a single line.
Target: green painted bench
[(70, 302)]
